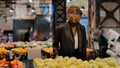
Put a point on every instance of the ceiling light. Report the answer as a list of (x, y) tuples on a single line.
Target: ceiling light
[(33, 9), (11, 10), (30, 0), (70, 0)]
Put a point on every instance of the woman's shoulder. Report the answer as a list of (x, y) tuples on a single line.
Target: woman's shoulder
[(61, 26), (82, 26)]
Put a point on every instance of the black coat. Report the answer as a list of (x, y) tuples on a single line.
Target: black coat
[(27, 35), (63, 44)]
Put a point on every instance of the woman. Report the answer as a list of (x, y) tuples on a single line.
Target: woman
[(70, 37)]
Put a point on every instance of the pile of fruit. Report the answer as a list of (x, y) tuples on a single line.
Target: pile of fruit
[(3, 51), (17, 64), (20, 50), (66, 62), (3, 62), (7, 45), (48, 50), (14, 63), (22, 44)]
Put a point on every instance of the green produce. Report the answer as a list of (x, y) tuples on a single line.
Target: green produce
[(66, 62)]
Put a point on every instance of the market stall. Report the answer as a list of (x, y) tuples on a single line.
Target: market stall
[(20, 53), (66, 62)]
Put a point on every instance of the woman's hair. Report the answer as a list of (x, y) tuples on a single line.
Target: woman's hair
[(74, 9)]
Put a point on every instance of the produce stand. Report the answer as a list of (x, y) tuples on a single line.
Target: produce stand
[(66, 62), (24, 52)]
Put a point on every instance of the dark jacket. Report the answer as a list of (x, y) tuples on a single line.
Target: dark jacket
[(64, 41), (27, 35)]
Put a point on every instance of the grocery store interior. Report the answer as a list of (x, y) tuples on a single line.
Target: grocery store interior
[(101, 19)]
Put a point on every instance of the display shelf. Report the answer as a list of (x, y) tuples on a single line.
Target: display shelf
[(72, 62)]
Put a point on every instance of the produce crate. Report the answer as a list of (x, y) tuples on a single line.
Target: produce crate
[(33, 53)]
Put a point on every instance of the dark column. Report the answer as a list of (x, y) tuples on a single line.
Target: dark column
[(59, 12)]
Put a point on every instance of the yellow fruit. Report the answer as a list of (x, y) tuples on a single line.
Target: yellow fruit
[(66, 58), (106, 66), (99, 64), (99, 60), (73, 66), (92, 66), (85, 64), (111, 62), (66, 62), (48, 50)]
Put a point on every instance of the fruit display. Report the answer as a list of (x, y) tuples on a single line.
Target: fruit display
[(20, 50), (33, 44), (25, 44), (22, 44), (48, 50), (49, 44), (3, 51), (66, 62), (14, 63), (7, 45), (17, 64), (3, 62), (20, 53)]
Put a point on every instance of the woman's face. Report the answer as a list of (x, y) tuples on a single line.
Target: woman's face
[(74, 17)]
